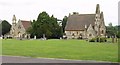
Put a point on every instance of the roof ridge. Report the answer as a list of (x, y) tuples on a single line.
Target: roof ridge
[(82, 14), (85, 14), (23, 20)]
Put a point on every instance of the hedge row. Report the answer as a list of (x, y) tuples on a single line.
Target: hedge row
[(98, 39)]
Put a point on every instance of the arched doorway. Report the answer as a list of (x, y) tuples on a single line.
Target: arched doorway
[(73, 35), (80, 36)]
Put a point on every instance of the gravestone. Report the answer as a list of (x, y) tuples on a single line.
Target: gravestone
[(112, 39), (60, 38), (34, 37)]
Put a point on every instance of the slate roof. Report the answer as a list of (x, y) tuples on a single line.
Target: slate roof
[(78, 21), (26, 24)]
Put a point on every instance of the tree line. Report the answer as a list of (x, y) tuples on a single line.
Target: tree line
[(48, 26), (113, 30)]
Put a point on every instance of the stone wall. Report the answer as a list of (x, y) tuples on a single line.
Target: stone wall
[(74, 34)]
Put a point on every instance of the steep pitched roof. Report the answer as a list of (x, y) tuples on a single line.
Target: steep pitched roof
[(78, 21), (26, 24)]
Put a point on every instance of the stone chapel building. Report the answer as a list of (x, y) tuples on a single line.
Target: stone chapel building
[(86, 26), (18, 29)]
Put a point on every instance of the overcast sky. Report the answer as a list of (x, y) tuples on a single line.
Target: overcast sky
[(29, 9)]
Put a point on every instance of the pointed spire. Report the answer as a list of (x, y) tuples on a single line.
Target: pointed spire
[(97, 9), (14, 19), (102, 17)]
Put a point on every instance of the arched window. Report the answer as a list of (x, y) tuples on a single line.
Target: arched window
[(90, 35), (80, 34), (64, 33), (102, 31), (77, 32), (73, 34), (19, 32)]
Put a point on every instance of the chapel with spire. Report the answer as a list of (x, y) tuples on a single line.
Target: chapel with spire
[(19, 29), (86, 25)]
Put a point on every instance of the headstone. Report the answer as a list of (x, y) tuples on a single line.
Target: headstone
[(44, 38), (29, 36), (112, 39), (34, 37), (60, 38), (106, 36), (43, 35), (1, 37), (8, 36), (115, 38), (26, 36), (5, 37)]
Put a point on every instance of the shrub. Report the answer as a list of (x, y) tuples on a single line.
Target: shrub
[(103, 39), (92, 40), (98, 39), (79, 38)]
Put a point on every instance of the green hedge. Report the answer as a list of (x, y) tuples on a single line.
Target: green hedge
[(98, 39), (92, 40)]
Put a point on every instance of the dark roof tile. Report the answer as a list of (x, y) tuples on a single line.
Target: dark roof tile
[(26, 24)]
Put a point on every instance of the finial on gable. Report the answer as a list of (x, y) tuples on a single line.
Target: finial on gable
[(75, 13), (14, 19), (69, 14), (101, 15)]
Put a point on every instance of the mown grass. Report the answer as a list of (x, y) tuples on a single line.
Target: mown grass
[(65, 49)]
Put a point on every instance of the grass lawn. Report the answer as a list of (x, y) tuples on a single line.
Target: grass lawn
[(64, 49)]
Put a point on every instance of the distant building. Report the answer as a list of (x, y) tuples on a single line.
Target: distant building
[(0, 21), (19, 28), (85, 25), (0, 28)]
